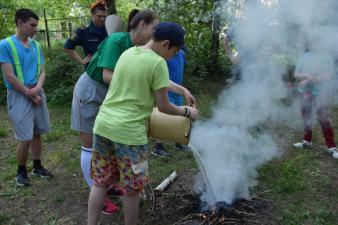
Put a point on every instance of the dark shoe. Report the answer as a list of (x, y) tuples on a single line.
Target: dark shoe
[(115, 190), (160, 152), (22, 179), (181, 147), (41, 172)]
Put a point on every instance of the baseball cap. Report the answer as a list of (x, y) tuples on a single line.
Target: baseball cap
[(170, 31)]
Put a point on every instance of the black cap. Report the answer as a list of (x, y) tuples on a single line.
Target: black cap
[(171, 31)]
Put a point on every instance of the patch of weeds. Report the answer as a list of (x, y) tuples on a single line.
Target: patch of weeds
[(4, 218), (52, 220), (324, 216), (291, 176), (3, 132), (299, 214), (54, 135), (59, 198), (294, 215)]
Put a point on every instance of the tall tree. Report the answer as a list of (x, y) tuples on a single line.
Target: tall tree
[(216, 27), (111, 7)]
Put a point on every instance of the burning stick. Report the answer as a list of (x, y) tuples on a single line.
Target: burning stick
[(165, 183)]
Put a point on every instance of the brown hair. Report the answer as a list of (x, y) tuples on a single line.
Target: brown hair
[(136, 16), (24, 15)]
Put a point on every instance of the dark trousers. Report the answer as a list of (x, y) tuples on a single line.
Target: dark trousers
[(323, 117)]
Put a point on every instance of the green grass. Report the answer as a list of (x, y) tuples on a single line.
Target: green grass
[(3, 131), (298, 187), (301, 185), (4, 218)]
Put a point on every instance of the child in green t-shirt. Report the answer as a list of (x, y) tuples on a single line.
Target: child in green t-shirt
[(140, 80)]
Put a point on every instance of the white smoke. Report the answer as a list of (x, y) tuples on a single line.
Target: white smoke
[(233, 143)]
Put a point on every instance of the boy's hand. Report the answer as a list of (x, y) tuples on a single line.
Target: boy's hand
[(193, 113), (189, 98), (33, 91), (37, 100), (86, 59)]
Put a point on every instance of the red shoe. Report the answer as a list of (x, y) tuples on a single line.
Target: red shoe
[(109, 208), (115, 190)]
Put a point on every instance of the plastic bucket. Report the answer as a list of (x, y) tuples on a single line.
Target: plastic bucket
[(168, 127)]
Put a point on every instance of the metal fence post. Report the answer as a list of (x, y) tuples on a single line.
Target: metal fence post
[(47, 31)]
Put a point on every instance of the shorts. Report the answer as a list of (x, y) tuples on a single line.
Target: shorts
[(27, 118), (88, 96), (114, 163)]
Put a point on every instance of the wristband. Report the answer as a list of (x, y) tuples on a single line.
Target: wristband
[(187, 112)]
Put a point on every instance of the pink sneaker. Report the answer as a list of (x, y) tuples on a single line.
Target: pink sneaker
[(109, 208)]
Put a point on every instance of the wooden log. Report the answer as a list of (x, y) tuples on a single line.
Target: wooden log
[(166, 182)]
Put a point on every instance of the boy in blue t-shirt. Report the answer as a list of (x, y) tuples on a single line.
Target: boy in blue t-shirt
[(176, 65), (24, 77)]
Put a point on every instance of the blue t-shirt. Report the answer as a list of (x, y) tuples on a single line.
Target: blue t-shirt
[(176, 66), (27, 56)]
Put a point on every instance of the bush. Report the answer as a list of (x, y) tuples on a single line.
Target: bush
[(61, 74)]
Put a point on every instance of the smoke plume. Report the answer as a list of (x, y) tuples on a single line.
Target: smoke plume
[(233, 142)]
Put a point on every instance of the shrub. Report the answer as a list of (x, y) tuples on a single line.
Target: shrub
[(61, 74)]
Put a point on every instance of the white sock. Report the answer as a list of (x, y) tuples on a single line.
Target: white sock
[(86, 157)]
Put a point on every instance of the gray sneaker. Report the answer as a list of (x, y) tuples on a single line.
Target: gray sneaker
[(42, 172), (22, 179), (180, 147), (303, 144), (160, 152), (334, 152)]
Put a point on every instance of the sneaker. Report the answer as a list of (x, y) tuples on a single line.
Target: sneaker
[(161, 152), (303, 144), (115, 190), (22, 179), (41, 172), (334, 152), (109, 208), (180, 147)]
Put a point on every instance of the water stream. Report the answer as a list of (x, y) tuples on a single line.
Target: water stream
[(201, 167)]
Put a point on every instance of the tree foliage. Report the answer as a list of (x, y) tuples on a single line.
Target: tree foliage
[(202, 20)]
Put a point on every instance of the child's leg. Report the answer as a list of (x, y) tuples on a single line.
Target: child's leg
[(86, 157), (95, 203), (324, 121), (130, 208), (306, 110)]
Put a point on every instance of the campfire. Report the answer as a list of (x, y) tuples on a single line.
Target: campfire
[(219, 213), (241, 211)]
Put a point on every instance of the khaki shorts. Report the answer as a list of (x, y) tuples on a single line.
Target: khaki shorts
[(114, 163), (27, 118)]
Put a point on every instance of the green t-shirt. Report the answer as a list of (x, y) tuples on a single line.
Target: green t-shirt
[(130, 99), (107, 54)]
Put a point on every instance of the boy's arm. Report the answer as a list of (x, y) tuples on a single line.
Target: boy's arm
[(7, 71), (226, 43), (189, 98), (73, 54), (36, 90), (165, 106), (107, 75)]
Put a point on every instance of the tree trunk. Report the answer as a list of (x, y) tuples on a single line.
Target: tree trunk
[(216, 26), (111, 7)]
